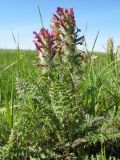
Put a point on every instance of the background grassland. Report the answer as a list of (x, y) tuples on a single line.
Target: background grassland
[(42, 117)]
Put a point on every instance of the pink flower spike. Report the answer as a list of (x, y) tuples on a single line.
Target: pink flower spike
[(71, 12), (44, 32), (55, 18), (34, 41), (66, 10), (36, 35), (34, 32), (36, 44), (52, 33), (60, 11)]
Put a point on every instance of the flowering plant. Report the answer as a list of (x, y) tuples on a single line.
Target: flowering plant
[(61, 40)]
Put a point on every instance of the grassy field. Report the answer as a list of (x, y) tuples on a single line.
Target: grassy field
[(64, 114)]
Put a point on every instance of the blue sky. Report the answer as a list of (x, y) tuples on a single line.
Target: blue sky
[(21, 18)]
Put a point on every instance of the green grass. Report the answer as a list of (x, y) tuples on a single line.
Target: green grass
[(14, 64), (40, 114)]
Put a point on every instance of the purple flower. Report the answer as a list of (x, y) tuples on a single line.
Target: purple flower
[(63, 25), (63, 17), (60, 11), (62, 39), (44, 42), (71, 12)]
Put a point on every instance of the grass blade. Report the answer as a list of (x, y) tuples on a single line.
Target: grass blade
[(8, 113), (95, 42), (40, 16), (12, 64)]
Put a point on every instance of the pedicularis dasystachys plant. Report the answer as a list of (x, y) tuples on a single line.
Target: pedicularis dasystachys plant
[(61, 40)]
